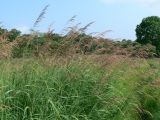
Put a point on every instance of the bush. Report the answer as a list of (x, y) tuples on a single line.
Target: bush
[(24, 47), (28, 45), (2, 31), (13, 34), (144, 51), (126, 43)]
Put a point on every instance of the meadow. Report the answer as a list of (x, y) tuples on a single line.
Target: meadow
[(80, 87), (75, 75)]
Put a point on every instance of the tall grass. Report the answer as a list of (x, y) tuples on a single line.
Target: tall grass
[(79, 89)]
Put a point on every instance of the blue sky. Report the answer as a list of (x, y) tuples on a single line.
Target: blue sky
[(120, 16)]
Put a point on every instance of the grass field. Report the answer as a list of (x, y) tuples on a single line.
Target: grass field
[(92, 87)]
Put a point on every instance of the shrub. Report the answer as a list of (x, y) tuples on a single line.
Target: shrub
[(13, 34), (2, 31), (144, 51), (23, 47), (126, 43)]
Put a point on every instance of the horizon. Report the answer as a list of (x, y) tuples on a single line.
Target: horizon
[(121, 16)]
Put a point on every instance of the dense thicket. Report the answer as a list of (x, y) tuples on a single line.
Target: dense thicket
[(13, 44)]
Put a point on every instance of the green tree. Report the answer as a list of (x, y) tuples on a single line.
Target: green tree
[(13, 34), (2, 31), (148, 31)]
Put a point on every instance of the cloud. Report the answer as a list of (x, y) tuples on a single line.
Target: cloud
[(138, 2), (151, 3), (23, 29)]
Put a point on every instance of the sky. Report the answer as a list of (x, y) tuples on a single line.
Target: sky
[(119, 16)]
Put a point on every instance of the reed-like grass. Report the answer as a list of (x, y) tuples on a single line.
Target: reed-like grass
[(79, 88)]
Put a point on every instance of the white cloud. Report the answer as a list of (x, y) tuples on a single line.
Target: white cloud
[(152, 3), (139, 2), (23, 29)]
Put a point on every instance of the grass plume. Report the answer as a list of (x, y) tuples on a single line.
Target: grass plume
[(41, 16)]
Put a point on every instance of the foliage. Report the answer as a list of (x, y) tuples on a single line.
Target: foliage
[(74, 41), (144, 51), (13, 34), (148, 31), (3, 31)]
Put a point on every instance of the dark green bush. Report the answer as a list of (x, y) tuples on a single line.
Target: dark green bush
[(2, 31), (126, 43), (13, 34)]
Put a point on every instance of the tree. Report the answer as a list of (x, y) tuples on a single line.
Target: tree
[(148, 31), (3, 31), (13, 34)]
